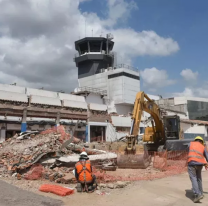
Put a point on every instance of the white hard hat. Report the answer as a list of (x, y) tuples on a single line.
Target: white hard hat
[(83, 154)]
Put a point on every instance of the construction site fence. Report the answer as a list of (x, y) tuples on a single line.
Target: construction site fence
[(163, 164), (165, 160)]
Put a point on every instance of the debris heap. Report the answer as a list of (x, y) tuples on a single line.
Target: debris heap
[(42, 155)]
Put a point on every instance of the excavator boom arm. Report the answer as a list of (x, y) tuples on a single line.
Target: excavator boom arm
[(144, 103)]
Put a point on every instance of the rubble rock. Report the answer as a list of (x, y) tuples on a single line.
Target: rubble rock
[(58, 180), (102, 185), (111, 186), (68, 178), (14, 175), (120, 184), (52, 177), (19, 177)]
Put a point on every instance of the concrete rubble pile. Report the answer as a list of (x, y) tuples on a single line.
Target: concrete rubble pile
[(42, 155)]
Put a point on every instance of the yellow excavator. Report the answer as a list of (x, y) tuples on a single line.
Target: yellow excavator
[(134, 154)]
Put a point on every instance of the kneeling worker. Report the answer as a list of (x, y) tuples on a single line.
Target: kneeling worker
[(83, 174), (197, 158)]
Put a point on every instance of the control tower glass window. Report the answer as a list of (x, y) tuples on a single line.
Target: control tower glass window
[(84, 48), (95, 46)]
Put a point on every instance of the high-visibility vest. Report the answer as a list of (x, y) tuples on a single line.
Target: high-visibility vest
[(196, 152), (84, 171)]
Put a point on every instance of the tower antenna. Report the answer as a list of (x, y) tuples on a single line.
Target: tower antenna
[(85, 27)]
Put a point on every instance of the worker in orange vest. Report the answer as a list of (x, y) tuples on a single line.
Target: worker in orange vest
[(83, 173), (197, 158)]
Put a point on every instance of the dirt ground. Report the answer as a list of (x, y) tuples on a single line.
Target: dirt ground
[(174, 191)]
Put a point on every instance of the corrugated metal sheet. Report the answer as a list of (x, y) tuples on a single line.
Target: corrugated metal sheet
[(121, 121), (71, 97), (12, 96), (12, 88), (75, 104), (42, 93), (98, 107), (45, 100)]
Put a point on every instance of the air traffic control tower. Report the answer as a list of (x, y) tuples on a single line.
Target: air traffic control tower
[(98, 70), (94, 55)]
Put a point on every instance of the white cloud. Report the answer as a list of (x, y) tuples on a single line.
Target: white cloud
[(37, 40), (154, 78), (119, 10), (194, 92), (188, 92), (189, 76), (192, 89)]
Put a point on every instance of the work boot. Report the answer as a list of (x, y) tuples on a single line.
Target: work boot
[(197, 198), (79, 187), (194, 195)]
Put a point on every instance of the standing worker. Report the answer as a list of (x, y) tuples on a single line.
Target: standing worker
[(83, 173), (197, 158)]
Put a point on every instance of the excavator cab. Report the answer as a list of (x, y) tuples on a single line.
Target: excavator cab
[(172, 127)]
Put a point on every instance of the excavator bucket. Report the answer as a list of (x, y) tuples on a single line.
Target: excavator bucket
[(140, 160)]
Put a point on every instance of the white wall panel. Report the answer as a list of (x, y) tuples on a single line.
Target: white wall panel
[(98, 107), (40, 92), (180, 100), (123, 109), (63, 96), (121, 121), (74, 104), (117, 93), (12, 88), (94, 98), (45, 100), (12, 96)]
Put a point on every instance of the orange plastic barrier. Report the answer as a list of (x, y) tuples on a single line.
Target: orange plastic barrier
[(56, 189)]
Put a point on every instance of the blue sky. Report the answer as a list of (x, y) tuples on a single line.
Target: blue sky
[(184, 21), (166, 40)]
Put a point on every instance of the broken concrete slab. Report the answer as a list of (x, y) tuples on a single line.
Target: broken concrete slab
[(75, 158), (120, 184)]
